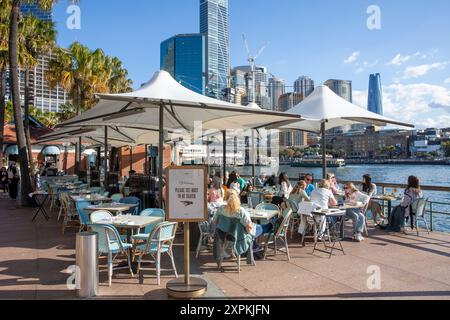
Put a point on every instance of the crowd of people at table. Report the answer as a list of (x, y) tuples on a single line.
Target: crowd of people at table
[(325, 194)]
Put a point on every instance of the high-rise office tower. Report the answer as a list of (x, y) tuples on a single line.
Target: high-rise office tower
[(184, 57), (304, 85), (42, 97), (277, 88), (375, 100), (214, 22), (294, 138), (261, 84)]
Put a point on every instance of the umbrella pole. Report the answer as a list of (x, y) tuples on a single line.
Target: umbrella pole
[(224, 155), (105, 160), (131, 158), (324, 150), (161, 155), (253, 158)]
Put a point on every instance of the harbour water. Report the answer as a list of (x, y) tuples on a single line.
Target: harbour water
[(431, 175)]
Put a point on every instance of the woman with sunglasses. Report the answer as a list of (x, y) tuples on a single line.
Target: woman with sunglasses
[(309, 184), (354, 196), (370, 188)]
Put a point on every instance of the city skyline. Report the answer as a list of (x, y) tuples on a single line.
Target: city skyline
[(416, 64)]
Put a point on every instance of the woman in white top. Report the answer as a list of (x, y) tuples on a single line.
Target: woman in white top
[(370, 189), (353, 196), (285, 185), (323, 198)]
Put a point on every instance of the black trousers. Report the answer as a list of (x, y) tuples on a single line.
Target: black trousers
[(13, 186)]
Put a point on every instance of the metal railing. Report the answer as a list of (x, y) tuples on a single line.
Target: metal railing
[(431, 210)]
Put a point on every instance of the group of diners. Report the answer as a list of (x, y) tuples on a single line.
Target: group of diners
[(326, 194)]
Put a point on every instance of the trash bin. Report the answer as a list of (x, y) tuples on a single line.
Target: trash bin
[(87, 262)]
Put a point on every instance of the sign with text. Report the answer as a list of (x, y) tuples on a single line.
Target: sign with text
[(186, 194)]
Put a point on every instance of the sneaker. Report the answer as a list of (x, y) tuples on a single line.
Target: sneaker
[(359, 237)]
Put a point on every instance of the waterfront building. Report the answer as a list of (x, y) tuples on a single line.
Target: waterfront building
[(184, 57), (375, 98), (214, 22), (370, 143), (276, 89), (288, 138), (41, 96), (304, 85), (238, 85)]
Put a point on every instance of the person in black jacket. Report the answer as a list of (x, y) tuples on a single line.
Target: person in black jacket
[(4, 179)]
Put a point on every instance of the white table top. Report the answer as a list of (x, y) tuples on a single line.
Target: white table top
[(263, 214), (329, 212), (90, 198), (131, 222), (114, 207)]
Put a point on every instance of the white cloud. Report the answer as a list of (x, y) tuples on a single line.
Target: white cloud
[(419, 71), (355, 55), (424, 105), (398, 60)]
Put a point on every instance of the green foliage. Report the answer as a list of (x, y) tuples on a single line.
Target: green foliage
[(446, 148)]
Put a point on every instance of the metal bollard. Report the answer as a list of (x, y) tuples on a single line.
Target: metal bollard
[(87, 262)]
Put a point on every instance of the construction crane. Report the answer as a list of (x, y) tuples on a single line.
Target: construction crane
[(252, 61)]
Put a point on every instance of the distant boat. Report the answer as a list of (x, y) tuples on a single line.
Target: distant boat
[(316, 162)]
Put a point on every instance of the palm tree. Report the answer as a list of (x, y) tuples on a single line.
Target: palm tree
[(26, 185), (5, 9), (37, 37)]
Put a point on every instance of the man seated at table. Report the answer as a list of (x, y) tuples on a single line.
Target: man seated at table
[(353, 196), (233, 209), (309, 184)]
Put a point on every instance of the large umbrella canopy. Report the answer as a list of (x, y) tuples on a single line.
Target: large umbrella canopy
[(331, 111), (324, 105), (183, 110)]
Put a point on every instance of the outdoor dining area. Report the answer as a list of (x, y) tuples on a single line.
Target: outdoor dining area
[(160, 113)]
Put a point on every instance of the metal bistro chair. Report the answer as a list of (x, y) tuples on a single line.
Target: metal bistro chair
[(143, 235), (159, 241), (364, 212), (70, 215), (109, 243), (419, 206), (256, 197), (305, 210), (295, 218), (205, 235), (267, 206), (116, 197), (132, 200), (280, 234), (101, 215), (84, 217)]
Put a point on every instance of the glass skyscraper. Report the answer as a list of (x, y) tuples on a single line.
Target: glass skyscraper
[(184, 57), (214, 22), (33, 9), (375, 102)]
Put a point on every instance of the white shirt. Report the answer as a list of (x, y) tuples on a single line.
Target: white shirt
[(321, 197)]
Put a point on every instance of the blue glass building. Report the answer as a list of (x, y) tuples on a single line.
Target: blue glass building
[(34, 10), (375, 101), (214, 22), (184, 57)]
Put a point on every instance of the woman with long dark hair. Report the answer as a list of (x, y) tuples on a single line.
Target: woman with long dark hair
[(370, 188)]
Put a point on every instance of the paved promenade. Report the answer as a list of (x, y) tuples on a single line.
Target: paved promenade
[(34, 258)]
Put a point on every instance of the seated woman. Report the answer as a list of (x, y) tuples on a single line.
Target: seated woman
[(369, 188), (334, 187), (322, 197), (215, 193), (353, 196), (233, 209), (298, 194), (245, 192), (233, 184)]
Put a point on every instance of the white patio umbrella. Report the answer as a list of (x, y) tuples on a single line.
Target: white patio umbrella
[(165, 105), (332, 111)]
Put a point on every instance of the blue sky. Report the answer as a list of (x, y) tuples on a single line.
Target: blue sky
[(322, 39)]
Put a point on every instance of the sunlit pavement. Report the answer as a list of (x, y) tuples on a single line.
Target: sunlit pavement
[(34, 258)]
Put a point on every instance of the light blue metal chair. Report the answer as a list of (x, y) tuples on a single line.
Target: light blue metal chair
[(267, 206), (132, 200), (96, 190), (144, 234), (160, 241), (84, 217), (106, 194), (101, 215), (280, 235), (116, 197), (110, 244)]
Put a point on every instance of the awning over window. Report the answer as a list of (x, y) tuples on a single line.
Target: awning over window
[(51, 151), (12, 150)]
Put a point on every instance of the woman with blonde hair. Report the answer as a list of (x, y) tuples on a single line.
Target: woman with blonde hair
[(298, 194), (353, 196), (333, 183), (233, 209)]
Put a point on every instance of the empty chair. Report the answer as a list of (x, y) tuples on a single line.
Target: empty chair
[(144, 234), (205, 235), (84, 217), (419, 206), (159, 241), (280, 235), (110, 243), (101, 215), (70, 215), (116, 197), (132, 200), (266, 206)]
